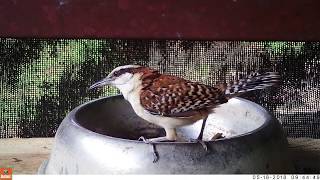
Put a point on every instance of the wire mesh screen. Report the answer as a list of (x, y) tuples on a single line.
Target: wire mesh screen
[(43, 79)]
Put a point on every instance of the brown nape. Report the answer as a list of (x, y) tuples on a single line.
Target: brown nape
[(142, 69), (148, 75)]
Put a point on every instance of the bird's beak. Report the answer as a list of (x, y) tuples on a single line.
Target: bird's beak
[(103, 82)]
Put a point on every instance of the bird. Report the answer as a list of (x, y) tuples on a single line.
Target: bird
[(171, 102)]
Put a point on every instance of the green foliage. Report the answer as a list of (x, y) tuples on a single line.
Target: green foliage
[(42, 80), (282, 47)]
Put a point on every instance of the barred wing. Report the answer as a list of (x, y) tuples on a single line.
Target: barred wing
[(175, 97)]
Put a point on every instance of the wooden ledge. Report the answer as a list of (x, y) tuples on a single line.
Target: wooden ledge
[(26, 155)]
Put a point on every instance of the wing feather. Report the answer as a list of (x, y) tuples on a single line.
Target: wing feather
[(176, 97)]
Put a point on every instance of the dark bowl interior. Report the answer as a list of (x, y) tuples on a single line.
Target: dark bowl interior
[(115, 117)]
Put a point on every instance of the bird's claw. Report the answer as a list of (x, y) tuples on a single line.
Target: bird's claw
[(155, 152), (147, 141), (203, 143)]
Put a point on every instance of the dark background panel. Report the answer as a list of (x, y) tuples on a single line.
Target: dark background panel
[(296, 20)]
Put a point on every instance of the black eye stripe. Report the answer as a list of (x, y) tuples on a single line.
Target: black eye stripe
[(122, 71)]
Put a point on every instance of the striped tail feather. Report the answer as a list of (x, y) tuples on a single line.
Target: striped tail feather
[(253, 82)]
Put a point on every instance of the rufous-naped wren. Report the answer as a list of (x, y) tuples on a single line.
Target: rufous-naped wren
[(170, 102)]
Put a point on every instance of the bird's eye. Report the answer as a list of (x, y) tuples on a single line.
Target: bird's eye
[(116, 73)]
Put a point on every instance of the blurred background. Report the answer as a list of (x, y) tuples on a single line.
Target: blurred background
[(41, 80)]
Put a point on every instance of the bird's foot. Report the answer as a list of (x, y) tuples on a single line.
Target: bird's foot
[(154, 140), (200, 141), (147, 141), (217, 136), (151, 142)]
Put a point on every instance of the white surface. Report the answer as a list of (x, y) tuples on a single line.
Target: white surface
[(231, 119)]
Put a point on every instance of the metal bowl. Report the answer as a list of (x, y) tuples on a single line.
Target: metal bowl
[(100, 137)]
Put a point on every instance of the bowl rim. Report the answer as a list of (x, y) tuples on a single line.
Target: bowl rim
[(71, 116)]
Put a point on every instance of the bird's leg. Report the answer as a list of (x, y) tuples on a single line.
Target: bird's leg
[(200, 137), (171, 135)]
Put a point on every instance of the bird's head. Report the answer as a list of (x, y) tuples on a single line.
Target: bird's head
[(119, 76), (126, 78)]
